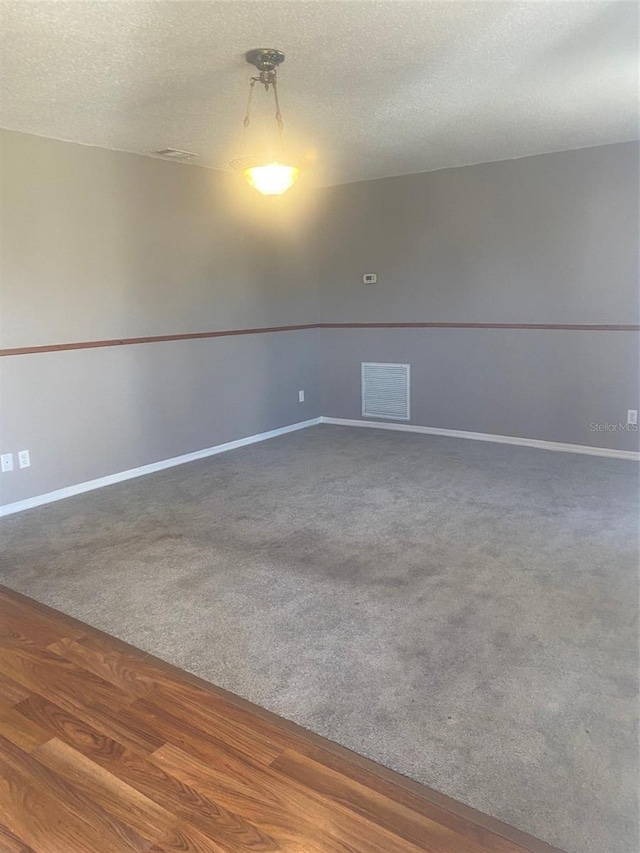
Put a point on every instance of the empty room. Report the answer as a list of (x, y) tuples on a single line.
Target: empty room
[(319, 387)]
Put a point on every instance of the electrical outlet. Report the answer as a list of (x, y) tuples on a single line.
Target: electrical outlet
[(369, 278), (23, 459), (301, 396), (632, 416), (7, 462)]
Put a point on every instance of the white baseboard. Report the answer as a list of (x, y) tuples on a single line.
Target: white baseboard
[(79, 488), (484, 436), (90, 485)]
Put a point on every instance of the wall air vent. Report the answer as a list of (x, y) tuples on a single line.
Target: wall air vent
[(174, 154), (385, 391)]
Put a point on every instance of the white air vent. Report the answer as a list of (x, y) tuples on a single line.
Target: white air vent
[(385, 391), (174, 154)]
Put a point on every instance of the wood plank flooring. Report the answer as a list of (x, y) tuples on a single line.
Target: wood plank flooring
[(105, 748)]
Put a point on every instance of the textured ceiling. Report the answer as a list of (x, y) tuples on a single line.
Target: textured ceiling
[(368, 88)]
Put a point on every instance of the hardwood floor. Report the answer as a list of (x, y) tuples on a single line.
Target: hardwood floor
[(106, 748)]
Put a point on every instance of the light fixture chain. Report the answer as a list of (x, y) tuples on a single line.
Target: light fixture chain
[(247, 117), (279, 120)]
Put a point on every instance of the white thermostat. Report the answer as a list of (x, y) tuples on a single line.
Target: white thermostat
[(369, 278)]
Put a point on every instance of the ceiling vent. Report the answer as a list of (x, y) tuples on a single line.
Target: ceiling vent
[(385, 391), (174, 154)]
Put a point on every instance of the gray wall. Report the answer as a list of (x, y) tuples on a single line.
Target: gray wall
[(99, 245), (547, 239)]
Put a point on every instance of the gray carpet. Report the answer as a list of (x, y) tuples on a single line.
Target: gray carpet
[(462, 612)]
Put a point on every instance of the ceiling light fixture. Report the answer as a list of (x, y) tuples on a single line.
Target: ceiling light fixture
[(269, 177)]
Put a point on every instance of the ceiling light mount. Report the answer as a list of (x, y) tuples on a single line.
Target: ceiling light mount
[(273, 176), (266, 60)]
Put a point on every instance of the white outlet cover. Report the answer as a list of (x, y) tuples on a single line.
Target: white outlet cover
[(6, 461), (301, 396), (632, 416), (23, 459)]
